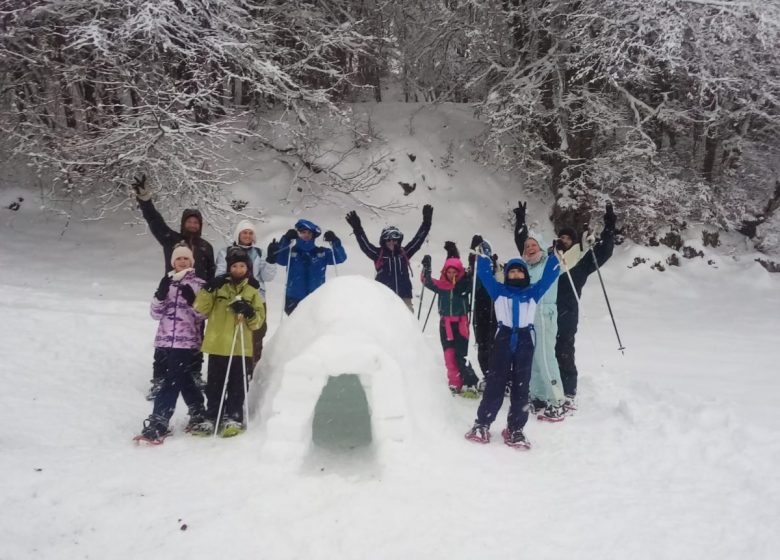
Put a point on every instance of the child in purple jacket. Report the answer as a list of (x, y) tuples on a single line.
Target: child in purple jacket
[(178, 340)]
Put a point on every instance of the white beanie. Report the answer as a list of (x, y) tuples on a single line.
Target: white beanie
[(242, 225), (182, 251)]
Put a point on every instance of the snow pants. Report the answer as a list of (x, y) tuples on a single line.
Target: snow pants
[(159, 363), (508, 365), (234, 396), (177, 378), (546, 385), (568, 318), (484, 327), (454, 334)]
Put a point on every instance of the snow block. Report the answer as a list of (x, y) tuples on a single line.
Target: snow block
[(354, 326)]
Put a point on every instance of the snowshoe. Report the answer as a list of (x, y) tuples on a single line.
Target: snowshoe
[(202, 429), (455, 390), (154, 390), (478, 433), (196, 417), (469, 393), (153, 433), (230, 428), (552, 414), (516, 439), (569, 406)]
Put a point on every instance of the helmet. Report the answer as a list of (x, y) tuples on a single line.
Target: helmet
[(391, 232)]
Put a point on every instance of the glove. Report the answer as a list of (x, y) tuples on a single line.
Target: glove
[(139, 186), (475, 241), (354, 221), (291, 234), (330, 237), (427, 214), (273, 248), (187, 293), (243, 307), (217, 282), (252, 281), (520, 212), (426, 262), (484, 249), (610, 220), (452, 250), (162, 288)]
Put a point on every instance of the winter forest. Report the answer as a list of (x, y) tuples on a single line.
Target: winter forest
[(669, 108), (274, 273)]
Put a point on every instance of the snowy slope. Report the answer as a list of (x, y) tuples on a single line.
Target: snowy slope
[(672, 454)]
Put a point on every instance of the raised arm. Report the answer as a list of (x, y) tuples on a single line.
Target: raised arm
[(485, 275), (549, 275), (416, 243), (371, 251), (521, 229), (162, 233)]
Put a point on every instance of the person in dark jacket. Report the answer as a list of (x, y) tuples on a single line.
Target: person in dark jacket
[(484, 315), (189, 234), (391, 258), (454, 290), (568, 311), (306, 262)]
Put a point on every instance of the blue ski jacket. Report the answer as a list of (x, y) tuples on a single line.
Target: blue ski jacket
[(307, 265)]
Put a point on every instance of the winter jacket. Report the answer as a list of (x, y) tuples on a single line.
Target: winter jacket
[(180, 325), (201, 249), (222, 320), (307, 265), (261, 270), (602, 250), (515, 307), (392, 267), (454, 299)]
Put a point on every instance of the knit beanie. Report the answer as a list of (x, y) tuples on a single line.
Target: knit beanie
[(182, 251)]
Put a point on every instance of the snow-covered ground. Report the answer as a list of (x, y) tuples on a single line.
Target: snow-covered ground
[(672, 454)]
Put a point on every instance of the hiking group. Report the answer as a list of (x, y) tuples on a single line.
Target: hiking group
[(524, 316)]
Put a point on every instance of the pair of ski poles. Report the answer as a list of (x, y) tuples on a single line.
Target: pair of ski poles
[(238, 330), (433, 300)]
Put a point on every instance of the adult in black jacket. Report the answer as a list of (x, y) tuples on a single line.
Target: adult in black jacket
[(484, 318), (568, 312), (189, 233), (391, 258), (572, 273)]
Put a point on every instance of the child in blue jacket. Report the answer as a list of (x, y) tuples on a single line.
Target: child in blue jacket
[(513, 346), (307, 262)]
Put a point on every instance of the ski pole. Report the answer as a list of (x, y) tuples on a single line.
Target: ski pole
[(419, 307), (333, 254), (609, 307), (225, 384), (243, 376), (429, 311), (286, 278)]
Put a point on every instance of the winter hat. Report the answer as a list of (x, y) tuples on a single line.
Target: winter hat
[(236, 255), (191, 213), (570, 232), (517, 264), (538, 237), (182, 251), (311, 226), (244, 225), (391, 232)]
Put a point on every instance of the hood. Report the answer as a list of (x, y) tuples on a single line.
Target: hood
[(311, 226), (515, 263), (241, 226), (189, 213), (442, 282)]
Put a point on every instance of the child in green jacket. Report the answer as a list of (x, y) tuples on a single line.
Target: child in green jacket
[(227, 302)]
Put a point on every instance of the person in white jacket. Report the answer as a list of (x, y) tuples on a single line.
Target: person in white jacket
[(261, 272)]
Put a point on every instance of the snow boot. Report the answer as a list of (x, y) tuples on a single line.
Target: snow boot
[(157, 384), (199, 382), (197, 416), (203, 429), (552, 414), (454, 390), (478, 433), (516, 439), (569, 405), (469, 393), (230, 428), (154, 432), (537, 406)]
